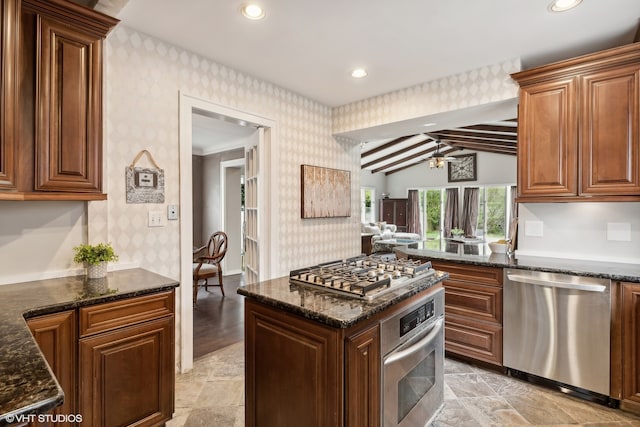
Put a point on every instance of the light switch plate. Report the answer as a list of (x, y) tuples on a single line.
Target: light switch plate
[(619, 231), (533, 228), (172, 212), (155, 219)]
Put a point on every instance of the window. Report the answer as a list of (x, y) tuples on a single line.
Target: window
[(367, 204), (494, 211)]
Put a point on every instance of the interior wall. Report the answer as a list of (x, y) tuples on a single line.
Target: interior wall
[(579, 230), (144, 78), (212, 192), (37, 239), (196, 179)]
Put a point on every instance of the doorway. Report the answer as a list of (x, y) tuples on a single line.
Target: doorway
[(263, 148)]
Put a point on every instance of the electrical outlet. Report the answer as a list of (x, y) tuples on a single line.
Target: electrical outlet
[(172, 212), (155, 219)]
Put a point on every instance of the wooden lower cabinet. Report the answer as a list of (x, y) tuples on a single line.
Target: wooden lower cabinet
[(630, 345), (362, 383), (473, 311), (114, 361), (126, 376), (304, 373), (56, 336)]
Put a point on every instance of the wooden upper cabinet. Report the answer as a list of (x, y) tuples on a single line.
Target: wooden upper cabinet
[(8, 43), (579, 129), (52, 109), (547, 144), (610, 135), (69, 106)]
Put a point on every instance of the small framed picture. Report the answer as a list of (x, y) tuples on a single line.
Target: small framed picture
[(464, 168)]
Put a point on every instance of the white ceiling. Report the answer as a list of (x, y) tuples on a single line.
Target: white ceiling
[(310, 46)]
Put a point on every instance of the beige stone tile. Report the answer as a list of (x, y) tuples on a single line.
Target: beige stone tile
[(454, 415), (187, 393), (493, 410), (223, 393), (453, 366), (179, 417), (507, 386), (209, 417), (538, 408), (468, 385)]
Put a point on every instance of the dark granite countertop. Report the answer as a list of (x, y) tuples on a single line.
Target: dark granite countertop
[(479, 254), (26, 383), (328, 308)]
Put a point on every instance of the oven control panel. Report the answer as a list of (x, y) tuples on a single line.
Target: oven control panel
[(416, 317)]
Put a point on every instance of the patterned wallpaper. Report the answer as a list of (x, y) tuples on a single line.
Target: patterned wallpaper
[(144, 76), (475, 87)]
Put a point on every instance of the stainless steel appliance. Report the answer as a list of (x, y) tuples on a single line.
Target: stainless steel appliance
[(557, 326), (366, 277), (412, 345)]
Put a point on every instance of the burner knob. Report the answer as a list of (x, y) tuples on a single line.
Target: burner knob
[(380, 271), (372, 273)]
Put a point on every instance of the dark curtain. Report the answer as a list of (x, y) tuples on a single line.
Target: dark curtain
[(470, 211), (451, 211), (413, 216)]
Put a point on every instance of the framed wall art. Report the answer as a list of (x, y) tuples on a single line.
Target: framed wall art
[(144, 185), (464, 168), (326, 193)]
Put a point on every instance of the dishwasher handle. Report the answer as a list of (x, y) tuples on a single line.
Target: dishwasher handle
[(556, 284)]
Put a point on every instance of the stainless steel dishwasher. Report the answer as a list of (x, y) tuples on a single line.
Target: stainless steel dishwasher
[(557, 326)]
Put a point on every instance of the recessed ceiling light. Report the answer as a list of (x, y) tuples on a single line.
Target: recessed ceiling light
[(562, 5), (428, 124), (359, 73), (252, 11)]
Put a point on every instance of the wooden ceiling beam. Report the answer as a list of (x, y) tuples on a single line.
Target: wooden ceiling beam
[(493, 128), (479, 135), (405, 159), (394, 154), (417, 162), (388, 145), (448, 140), (483, 147)]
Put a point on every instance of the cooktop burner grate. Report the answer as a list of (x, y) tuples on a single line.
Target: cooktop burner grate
[(362, 277)]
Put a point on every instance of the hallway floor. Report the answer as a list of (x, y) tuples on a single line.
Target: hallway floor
[(212, 394)]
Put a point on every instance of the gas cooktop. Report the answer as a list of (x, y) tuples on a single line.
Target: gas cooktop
[(366, 277)]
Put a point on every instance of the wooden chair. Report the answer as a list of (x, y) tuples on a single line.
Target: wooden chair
[(206, 262)]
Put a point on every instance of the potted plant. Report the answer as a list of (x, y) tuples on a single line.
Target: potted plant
[(95, 258), (458, 232)]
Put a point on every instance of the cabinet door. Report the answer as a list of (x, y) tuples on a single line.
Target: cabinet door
[(631, 346), (56, 337), (293, 370), (69, 108), (8, 32), (610, 131), (127, 375), (362, 381), (547, 140), (387, 211)]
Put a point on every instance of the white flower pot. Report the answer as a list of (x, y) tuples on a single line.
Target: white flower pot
[(97, 271)]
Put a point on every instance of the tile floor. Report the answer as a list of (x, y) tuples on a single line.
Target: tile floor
[(212, 394)]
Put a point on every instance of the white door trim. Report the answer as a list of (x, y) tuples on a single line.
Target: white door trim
[(269, 222)]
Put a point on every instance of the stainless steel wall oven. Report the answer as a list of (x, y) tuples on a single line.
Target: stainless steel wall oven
[(412, 344)]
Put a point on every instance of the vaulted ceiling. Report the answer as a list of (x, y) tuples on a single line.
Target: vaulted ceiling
[(390, 156)]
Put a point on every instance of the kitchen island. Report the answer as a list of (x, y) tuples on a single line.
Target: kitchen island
[(107, 309), (313, 357)]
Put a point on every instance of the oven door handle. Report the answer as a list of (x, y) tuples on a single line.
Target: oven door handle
[(417, 346)]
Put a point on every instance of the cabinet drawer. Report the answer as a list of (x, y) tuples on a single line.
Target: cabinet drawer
[(476, 301), (113, 315), (480, 341), (472, 273)]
